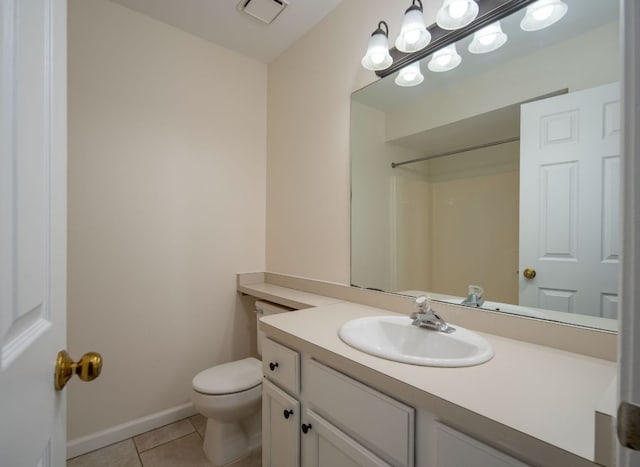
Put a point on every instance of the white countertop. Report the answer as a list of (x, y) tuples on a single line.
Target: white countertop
[(285, 296), (547, 394)]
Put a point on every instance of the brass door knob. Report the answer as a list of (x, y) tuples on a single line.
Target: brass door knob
[(529, 273), (87, 368)]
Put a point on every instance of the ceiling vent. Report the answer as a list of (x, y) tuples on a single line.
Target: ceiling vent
[(264, 10)]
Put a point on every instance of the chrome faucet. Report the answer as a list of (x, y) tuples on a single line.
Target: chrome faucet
[(425, 317), (474, 297)]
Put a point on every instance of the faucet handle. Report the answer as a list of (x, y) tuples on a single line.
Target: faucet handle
[(423, 303)]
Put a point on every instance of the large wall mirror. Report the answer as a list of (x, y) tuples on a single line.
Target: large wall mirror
[(502, 173)]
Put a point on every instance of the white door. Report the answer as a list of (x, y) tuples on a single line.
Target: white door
[(32, 230), (569, 202), (629, 324)]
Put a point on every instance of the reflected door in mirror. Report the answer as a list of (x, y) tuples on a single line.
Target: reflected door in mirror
[(569, 202)]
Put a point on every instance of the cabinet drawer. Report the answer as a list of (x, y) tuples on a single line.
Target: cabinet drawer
[(281, 365), (381, 424)]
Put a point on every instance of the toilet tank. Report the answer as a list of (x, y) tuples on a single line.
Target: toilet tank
[(266, 309)]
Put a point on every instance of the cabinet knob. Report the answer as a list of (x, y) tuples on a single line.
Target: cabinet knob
[(306, 427), (273, 366), (287, 413)]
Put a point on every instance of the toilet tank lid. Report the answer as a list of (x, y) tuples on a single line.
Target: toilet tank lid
[(228, 378)]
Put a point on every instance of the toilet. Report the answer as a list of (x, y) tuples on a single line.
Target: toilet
[(230, 396)]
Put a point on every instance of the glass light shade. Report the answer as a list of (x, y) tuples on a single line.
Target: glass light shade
[(410, 75), (377, 56), (456, 14), (543, 14), (445, 59), (413, 33), (488, 39)]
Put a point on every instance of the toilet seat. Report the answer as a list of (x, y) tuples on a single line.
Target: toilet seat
[(229, 378)]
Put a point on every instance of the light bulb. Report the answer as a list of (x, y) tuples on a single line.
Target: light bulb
[(411, 37), (458, 9), (377, 58), (444, 60), (410, 75), (543, 13), (456, 14), (488, 39)]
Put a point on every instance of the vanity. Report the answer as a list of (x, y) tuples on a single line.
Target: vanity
[(327, 404), (499, 174)]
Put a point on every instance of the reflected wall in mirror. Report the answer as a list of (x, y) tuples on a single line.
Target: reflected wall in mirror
[(509, 162)]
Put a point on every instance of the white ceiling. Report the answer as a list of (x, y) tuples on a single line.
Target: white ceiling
[(222, 22)]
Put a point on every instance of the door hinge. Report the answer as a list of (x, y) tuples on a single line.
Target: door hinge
[(629, 425)]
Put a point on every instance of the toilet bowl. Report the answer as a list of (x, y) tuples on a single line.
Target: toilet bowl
[(230, 396)]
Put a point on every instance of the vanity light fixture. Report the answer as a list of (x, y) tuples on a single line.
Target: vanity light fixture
[(542, 14), (445, 59), (456, 14), (410, 75), (377, 56), (488, 39), (413, 33), (456, 20)]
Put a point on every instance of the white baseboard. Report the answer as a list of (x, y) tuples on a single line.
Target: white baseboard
[(100, 439)]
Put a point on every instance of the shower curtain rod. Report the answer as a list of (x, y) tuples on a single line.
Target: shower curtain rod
[(457, 151)]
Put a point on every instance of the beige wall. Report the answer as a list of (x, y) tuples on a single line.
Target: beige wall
[(372, 199), (167, 169), (308, 175), (475, 227)]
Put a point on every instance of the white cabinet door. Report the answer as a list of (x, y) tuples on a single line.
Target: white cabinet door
[(570, 202), (33, 157), (323, 445), (382, 424), (455, 449), (280, 427)]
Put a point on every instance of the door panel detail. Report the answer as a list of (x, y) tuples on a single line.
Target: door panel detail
[(559, 300), (559, 128), (611, 209), (559, 193)]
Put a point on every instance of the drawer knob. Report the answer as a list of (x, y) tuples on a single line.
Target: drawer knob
[(273, 366), (306, 427), (287, 413)]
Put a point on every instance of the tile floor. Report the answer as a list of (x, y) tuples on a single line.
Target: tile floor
[(175, 445)]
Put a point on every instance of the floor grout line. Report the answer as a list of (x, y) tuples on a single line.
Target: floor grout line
[(165, 442), (138, 454)]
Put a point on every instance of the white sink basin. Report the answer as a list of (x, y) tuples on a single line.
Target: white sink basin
[(395, 338)]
